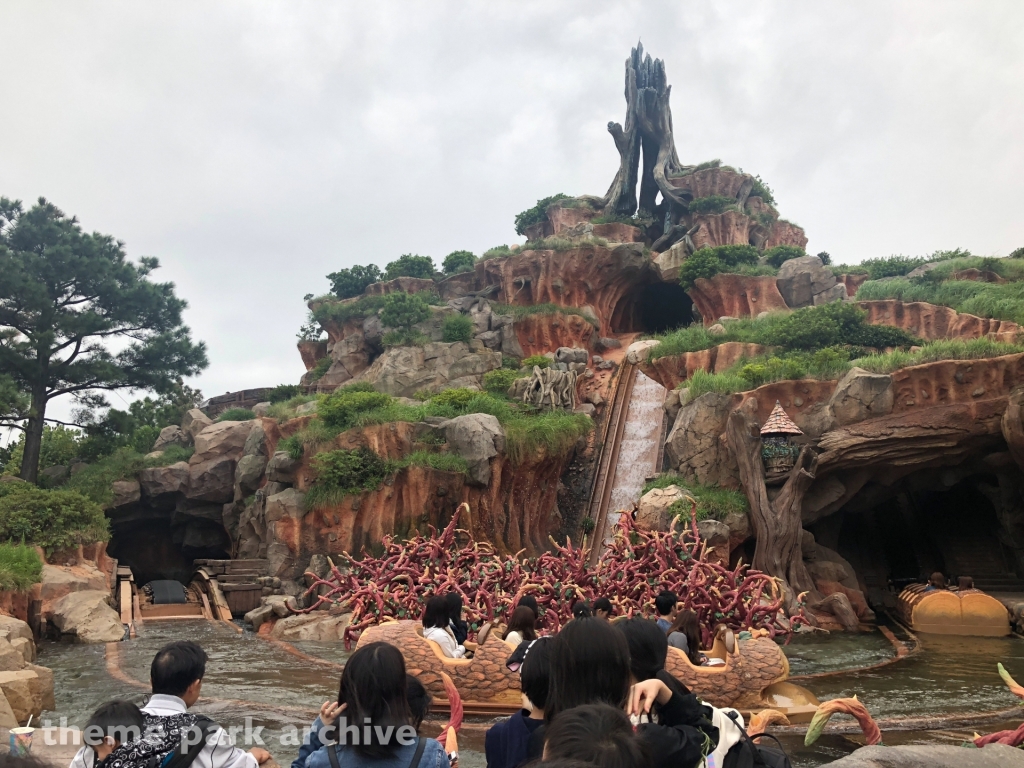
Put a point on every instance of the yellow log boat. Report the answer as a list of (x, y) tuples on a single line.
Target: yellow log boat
[(967, 612)]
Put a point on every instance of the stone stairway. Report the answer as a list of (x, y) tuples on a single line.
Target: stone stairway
[(982, 559)]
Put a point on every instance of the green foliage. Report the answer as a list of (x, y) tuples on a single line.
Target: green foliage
[(500, 380), (457, 327), (285, 410), (94, 481), (292, 446), (712, 204), (587, 525), (340, 408), (1017, 253), (556, 243), (20, 567), (403, 310), (404, 338), (310, 330), (88, 319), (824, 364), (497, 252), (237, 414), (346, 283), (619, 218), (782, 253), (49, 519), (13, 402), (831, 325), (60, 446), (944, 349), (283, 392), (410, 265), (824, 258), (317, 371), (339, 312), (551, 433), (762, 190), (702, 382), (518, 312), (456, 397), (541, 361), (458, 261), (445, 462), (536, 214), (341, 473), (708, 262), (707, 164), (712, 502), (1000, 301), (892, 266)]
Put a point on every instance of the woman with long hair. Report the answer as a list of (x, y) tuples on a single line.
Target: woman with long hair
[(437, 627), (598, 735), (684, 634), (590, 665), (371, 725), (522, 625), (457, 624)]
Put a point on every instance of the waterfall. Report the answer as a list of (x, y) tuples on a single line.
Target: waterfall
[(639, 449)]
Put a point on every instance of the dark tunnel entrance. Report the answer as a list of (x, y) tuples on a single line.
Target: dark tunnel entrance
[(653, 308), (154, 548)]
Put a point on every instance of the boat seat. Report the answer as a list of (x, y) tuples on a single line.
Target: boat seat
[(483, 634), (439, 653)]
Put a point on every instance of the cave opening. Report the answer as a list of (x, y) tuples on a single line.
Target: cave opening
[(653, 308), (919, 530), (155, 549)]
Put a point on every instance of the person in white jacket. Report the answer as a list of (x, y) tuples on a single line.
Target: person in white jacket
[(176, 677), (435, 627)]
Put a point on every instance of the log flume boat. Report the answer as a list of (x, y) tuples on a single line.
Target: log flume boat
[(968, 612)]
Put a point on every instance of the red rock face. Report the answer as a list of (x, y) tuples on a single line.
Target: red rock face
[(931, 322), (538, 334), (559, 219), (619, 233), (729, 228), (786, 233), (311, 351), (799, 398), (948, 382), (852, 283), (672, 370), (406, 284), (728, 295), (711, 181), (593, 276)]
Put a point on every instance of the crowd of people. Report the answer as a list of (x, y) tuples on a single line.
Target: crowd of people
[(595, 694)]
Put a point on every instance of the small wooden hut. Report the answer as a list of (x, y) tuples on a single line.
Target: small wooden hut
[(777, 449)]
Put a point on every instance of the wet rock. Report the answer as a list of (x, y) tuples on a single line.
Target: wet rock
[(477, 438), (170, 436), (861, 395), (257, 616), (318, 626), (88, 617), (19, 635), (27, 692)]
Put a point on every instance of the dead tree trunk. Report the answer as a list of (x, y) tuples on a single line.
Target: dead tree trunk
[(621, 195), (777, 524)]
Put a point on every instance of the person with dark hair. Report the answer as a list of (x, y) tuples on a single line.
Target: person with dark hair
[(648, 647), (371, 724), (530, 602), (603, 608), (111, 726), (437, 627), (936, 582), (666, 605), (521, 626), (684, 634), (581, 610), (964, 583), (590, 665), (176, 676), (507, 741), (419, 699), (599, 735), (460, 629)]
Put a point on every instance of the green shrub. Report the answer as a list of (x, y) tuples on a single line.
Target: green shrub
[(497, 252), (60, 446), (536, 214), (231, 414), (317, 371), (553, 433), (292, 446), (511, 363), (1017, 253), (824, 364), (562, 243), (944, 349), (403, 339), (49, 519), (707, 164), (342, 472), (445, 462), (340, 312), (340, 408), (824, 258), (457, 327), (410, 265), (702, 382), (517, 312), (346, 283), (1000, 301), (782, 253), (618, 218), (762, 190), (541, 361), (832, 325), (457, 397), (712, 501), (20, 567), (708, 262), (403, 310), (458, 261), (500, 380), (712, 204), (283, 392)]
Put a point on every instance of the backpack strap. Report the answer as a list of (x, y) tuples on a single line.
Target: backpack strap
[(421, 743), (332, 755)]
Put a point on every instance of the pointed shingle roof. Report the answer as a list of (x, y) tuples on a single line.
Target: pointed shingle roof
[(779, 423)]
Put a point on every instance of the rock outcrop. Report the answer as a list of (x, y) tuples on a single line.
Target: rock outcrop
[(861, 395), (404, 371), (477, 438), (730, 295), (653, 512), (695, 448), (672, 370), (931, 322), (805, 282), (87, 617)]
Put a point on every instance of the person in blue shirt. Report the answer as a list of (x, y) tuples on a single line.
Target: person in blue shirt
[(666, 605), (507, 741), (371, 725)]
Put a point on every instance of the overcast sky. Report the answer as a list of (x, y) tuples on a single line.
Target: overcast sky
[(254, 147)]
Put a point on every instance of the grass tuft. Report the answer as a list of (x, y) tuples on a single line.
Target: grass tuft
[(20, 567)]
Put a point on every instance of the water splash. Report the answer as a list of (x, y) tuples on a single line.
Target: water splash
[(639, 449)]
